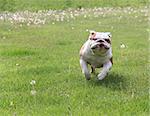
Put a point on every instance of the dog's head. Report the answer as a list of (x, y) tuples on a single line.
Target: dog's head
[(100, 42)]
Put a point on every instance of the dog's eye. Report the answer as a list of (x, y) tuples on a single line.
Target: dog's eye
[(107, 40)]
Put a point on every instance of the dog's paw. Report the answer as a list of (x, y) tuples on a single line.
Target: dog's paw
[(87, 76), (101, 76)]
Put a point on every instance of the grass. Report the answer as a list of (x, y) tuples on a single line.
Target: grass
[(49, 54), (34, 5)]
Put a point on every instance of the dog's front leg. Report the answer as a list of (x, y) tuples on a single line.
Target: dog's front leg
[(106, 67), (84, 67)]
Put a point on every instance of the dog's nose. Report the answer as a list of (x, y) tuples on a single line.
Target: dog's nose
[(101, 41)]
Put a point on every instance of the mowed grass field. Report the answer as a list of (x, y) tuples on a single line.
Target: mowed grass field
[(35, 5), (49, 54)]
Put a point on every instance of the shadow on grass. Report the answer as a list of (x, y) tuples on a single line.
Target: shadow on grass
[(112, 81)]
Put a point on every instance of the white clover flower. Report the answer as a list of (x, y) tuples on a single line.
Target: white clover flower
[(87, 30), (99, 22), (71, 15), (28, 24), (132, 95), (20, 25), (33, 82), (43, 16), (61, 19), (148, 30), (122, 46), (43, 21), (4, 37), (136, 16), (1, 18), (33, 92), (17, 64), (57, 19), (85, 16)]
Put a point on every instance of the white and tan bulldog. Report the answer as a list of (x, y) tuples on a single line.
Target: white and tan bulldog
[(96, 52)]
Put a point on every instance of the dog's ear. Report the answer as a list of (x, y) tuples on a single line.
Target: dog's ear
[(109, 34), (92, 34)]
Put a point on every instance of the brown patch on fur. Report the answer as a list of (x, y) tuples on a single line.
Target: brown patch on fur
[(92, 36), (81, 50)]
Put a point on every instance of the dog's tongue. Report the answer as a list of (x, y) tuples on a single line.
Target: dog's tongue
[(103, 46)]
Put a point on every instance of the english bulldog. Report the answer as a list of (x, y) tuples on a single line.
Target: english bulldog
[(97, 52)]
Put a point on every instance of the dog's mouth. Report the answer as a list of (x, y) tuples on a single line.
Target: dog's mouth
[(99, 46)]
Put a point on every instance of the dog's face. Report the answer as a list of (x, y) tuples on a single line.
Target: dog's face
[(100, 42)]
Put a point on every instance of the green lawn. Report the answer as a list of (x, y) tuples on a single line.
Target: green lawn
[(34, 5), (49, 54)]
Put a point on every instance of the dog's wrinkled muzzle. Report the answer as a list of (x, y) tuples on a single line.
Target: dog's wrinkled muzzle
[(100, 46)]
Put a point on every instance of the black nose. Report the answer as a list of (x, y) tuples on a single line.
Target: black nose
[(101, 41)]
